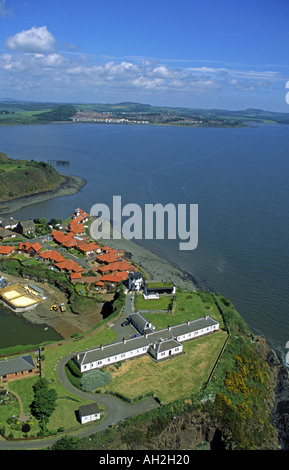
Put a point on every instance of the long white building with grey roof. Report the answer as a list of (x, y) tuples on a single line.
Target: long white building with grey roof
[(159, 344)]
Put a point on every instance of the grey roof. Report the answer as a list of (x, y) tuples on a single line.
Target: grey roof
[(163, 346), (113, 350), (140, 321), (146, 340), (9, 221), (36, 288), (16, 364), (87, 410)]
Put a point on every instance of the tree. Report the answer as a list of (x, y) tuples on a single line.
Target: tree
[(66, 443), (44, 402)]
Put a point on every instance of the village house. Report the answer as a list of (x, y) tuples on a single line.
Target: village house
[(142, 325), (9, 223), (135, 281), (160, 344), (6, 234), (30, 248), (7, 250), (116, 266), (88, 248), (17, 367), (77, 229), (110, 280), (76, 277), (106, 258), (25, 227), (88, 413), (69, 266), (80, 214), (52, 255)]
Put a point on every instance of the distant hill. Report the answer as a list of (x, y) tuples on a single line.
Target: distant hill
[(26, 112), (22, 178)]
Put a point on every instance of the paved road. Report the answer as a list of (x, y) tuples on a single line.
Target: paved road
[(116, 409)]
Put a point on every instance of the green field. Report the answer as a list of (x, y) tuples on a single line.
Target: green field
[(171, 379)]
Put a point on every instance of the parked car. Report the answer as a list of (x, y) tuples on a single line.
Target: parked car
[(125, 323)]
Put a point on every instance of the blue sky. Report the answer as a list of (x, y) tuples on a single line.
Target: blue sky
[(206, 53)]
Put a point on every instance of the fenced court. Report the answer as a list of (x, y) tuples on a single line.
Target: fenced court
[(18, 298)]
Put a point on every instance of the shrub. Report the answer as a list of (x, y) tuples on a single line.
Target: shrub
[(95, 379)]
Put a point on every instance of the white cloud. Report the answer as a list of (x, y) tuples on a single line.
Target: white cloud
[(32, 40), (34, 65)]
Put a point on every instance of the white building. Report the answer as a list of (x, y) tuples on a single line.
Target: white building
[(159, 344), (88, 413)]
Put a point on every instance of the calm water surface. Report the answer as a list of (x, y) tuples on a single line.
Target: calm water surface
[(238, 178)]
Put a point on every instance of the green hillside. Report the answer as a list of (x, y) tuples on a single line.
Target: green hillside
[(22, 177)]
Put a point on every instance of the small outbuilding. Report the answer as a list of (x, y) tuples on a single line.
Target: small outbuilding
[(88, 413)]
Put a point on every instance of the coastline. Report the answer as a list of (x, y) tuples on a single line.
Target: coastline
[(152, 266), (71, 185)]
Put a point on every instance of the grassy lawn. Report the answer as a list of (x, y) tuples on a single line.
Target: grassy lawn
[(187, 306), (23, 388), (171, 379), (163, 303), (64, 415)]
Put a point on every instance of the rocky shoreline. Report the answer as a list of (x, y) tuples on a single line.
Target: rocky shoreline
[(71, 185)]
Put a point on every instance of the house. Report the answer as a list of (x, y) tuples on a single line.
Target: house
[(140, 323), (135, 280), (69, 265), (9, 223), (6, 234), (52, 255), (75, 277), (88, 413), (80, 214), (166, 348), (77, 229), (160, 344), (30, 248), (106, 258), (25, 227), (116, 266), (88, 248), (108, 280), (58, 236), (16, 367), (6, 250)]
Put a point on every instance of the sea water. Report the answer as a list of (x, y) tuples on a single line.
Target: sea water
[(238, 177)]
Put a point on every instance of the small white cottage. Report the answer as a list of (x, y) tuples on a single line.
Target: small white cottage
[(88, 413)]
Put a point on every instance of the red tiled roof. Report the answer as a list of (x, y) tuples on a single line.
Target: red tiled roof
[(107, 258), (75, 276), (88, 247), (36, 247), (58, 236), (117, 266), (69, 265), (6, 250), (25, 246), (117, 277), (77, 228), (76, 220), (52, 255)]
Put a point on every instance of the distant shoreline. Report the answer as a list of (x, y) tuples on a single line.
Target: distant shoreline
[(71, 185)]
